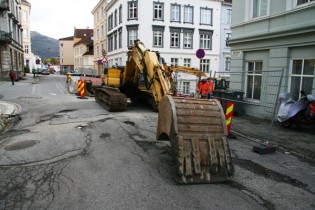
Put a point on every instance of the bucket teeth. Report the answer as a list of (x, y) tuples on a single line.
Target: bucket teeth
[(195, 164)]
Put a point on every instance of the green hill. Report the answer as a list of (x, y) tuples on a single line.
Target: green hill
[(44, 46)]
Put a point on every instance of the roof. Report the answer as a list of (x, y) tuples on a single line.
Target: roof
[(80, 33), (85, 35), (25, 1), (67, 38), (88, 53)]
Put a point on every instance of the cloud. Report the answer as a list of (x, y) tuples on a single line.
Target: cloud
[(57, 19)]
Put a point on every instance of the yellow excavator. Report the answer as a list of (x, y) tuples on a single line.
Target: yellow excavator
[(195, 127)]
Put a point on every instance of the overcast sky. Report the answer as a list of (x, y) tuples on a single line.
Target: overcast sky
[(57, 19)]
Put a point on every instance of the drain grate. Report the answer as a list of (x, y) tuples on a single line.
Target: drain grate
[(21, 145)]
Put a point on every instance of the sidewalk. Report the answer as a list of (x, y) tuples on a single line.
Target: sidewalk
[(7, 110), (297, 140)]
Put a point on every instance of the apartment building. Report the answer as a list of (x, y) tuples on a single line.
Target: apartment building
[(273, 35), (177, 29), (100, 18), (26, 38), (83, 49), (225, 52), (66, 54), (11, 49)]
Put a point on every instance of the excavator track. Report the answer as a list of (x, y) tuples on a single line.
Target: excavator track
[(197, 131), (111, 99)]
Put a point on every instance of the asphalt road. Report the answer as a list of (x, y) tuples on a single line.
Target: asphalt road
[(70, 153)]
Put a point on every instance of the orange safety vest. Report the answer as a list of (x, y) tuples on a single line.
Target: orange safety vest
[(199, 86), (205, 88)]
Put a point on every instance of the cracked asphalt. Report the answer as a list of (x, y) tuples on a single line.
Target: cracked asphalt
[(66, 153)]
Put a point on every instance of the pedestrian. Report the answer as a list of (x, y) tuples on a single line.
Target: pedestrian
[(12, 76), (34, 72)]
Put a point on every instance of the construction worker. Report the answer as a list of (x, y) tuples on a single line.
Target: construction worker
[(204, 87), (210, 86)]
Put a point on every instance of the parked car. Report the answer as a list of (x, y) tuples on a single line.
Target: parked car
[(51, 70), (45, 72)]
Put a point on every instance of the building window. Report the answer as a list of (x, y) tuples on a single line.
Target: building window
[(175, 13), (158, 11), (188, 14), (227, 37), (302, 77), (108, 23), (175, 37), (254, 79), (115, 18), (187, 62), (158, 32), (205, 16), (174, 61), (186, 87), (112, 21), (132, 10), (110, 42), (205, 65), (260, 8), (205, 39), (229, 16), (120, 14), (299, 2), (25, 16), (227, 64), (132, 34), (188, 39), (26, 49), (25, 33), (120, 38), (115, 40)]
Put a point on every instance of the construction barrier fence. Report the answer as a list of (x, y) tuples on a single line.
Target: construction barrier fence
[(255, 99)]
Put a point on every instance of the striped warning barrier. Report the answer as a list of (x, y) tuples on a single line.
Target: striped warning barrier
[(68, 78), (228, 115), (81, 89)]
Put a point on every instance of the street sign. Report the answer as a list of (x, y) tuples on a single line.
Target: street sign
[(200, 53)]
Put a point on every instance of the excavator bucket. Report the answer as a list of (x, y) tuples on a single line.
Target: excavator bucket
[(197, 131)]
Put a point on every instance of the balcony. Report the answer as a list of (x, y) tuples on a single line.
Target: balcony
[(5, 37), (4, 5)]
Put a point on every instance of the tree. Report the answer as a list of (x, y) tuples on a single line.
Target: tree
[(53, 61)]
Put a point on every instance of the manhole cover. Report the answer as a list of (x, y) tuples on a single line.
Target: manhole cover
[(21, 145)]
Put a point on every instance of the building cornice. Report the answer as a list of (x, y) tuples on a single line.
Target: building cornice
[(98, 5), (278, 34)]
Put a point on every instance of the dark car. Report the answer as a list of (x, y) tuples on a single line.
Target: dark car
[(45, 72)]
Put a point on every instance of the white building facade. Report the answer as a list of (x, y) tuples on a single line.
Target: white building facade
[(177, 29), (225, 55), (26, 9)]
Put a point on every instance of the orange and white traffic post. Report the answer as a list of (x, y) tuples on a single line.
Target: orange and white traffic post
[(81, 89), (228, 117)]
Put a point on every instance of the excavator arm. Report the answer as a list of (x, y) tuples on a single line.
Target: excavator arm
[(141, 61)]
